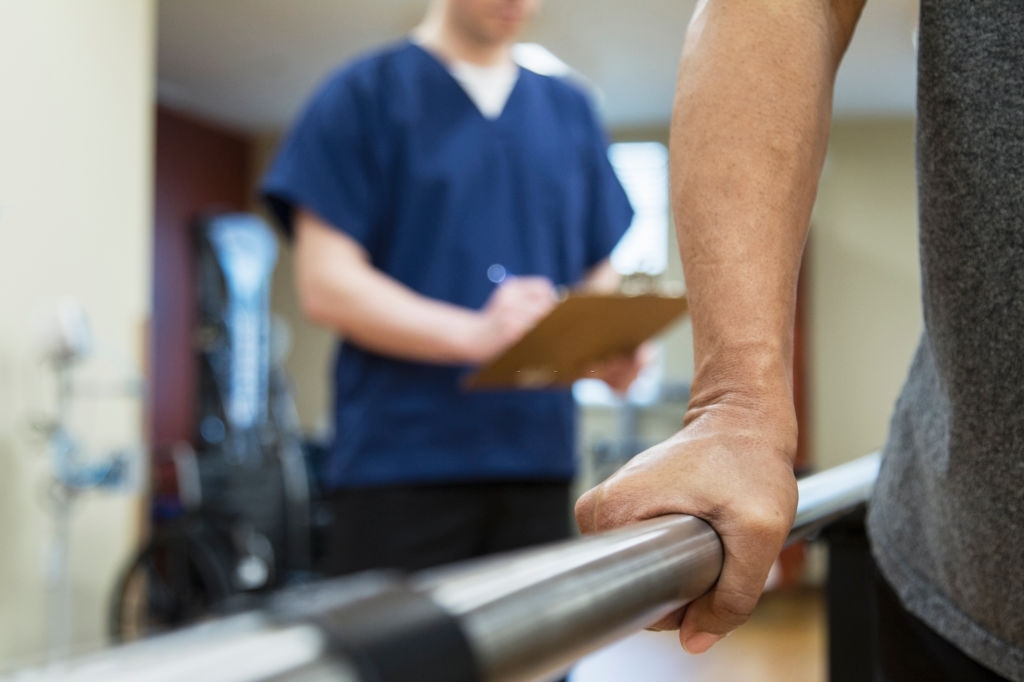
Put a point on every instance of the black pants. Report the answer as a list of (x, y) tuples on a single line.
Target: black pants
[(416, 527), (871, 635), (907, 650)]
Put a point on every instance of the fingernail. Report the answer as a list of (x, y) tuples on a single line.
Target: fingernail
[(700, 642)]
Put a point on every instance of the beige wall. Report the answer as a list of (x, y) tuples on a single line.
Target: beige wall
[(865, 313), (75, 215)]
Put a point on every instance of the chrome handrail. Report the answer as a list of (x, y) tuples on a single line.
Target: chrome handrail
[(522, 616)]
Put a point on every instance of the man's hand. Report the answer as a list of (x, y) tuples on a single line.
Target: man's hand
[(341, 290), (731, 465), (511, 311), (621, 371), (749, 132)]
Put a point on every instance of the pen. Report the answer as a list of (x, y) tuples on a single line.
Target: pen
[(498, 273)]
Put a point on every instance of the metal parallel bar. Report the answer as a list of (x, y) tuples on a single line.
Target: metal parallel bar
[(241, 648), (524, 616), (531, 615), (831, 494)]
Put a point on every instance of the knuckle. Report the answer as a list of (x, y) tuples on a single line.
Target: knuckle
[(598, 509), (733, 609), (766, 520), (584, 510), (619, 504)]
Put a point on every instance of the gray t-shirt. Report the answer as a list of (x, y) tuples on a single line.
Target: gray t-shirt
[(947, 518)]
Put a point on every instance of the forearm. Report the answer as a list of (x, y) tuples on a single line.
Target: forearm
[(377, 313), (340, 290), (749, 133)]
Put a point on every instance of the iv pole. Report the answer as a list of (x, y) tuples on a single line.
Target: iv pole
[(67, 344)]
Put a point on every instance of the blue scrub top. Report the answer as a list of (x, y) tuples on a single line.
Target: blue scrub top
[(392, 151)]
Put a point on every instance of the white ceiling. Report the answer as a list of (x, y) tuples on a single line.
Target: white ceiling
[(250, 64)]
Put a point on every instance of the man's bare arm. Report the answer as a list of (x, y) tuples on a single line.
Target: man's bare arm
[(341, 290), (749, 132)]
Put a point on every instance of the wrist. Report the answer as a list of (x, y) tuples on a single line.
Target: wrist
[(469, 338), (750, 371), (765, 425), (747, 391)]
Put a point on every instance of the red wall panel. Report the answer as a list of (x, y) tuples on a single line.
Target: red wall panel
[(199, 167)]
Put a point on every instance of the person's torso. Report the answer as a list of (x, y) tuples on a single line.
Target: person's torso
[(950, 499), (464, 193)]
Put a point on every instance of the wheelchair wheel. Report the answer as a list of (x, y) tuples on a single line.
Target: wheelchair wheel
[(180, 577)]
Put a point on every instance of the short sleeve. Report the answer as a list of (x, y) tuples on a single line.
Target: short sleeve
[(609, 210), (328, 164)]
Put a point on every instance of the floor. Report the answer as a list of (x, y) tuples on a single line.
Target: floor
[(784, 641)]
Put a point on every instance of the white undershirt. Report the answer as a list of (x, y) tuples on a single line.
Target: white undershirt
[(488, 86)]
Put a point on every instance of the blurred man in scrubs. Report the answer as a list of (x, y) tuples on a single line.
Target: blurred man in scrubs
[(438, 195)]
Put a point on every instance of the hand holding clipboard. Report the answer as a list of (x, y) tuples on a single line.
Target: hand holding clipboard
[(583, 329)]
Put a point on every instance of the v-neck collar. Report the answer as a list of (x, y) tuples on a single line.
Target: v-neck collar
[(438, 63)]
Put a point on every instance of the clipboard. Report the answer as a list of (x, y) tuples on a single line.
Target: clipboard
[(581, 330)]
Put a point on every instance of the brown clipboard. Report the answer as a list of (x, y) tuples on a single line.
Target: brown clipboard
[(581, 330)]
